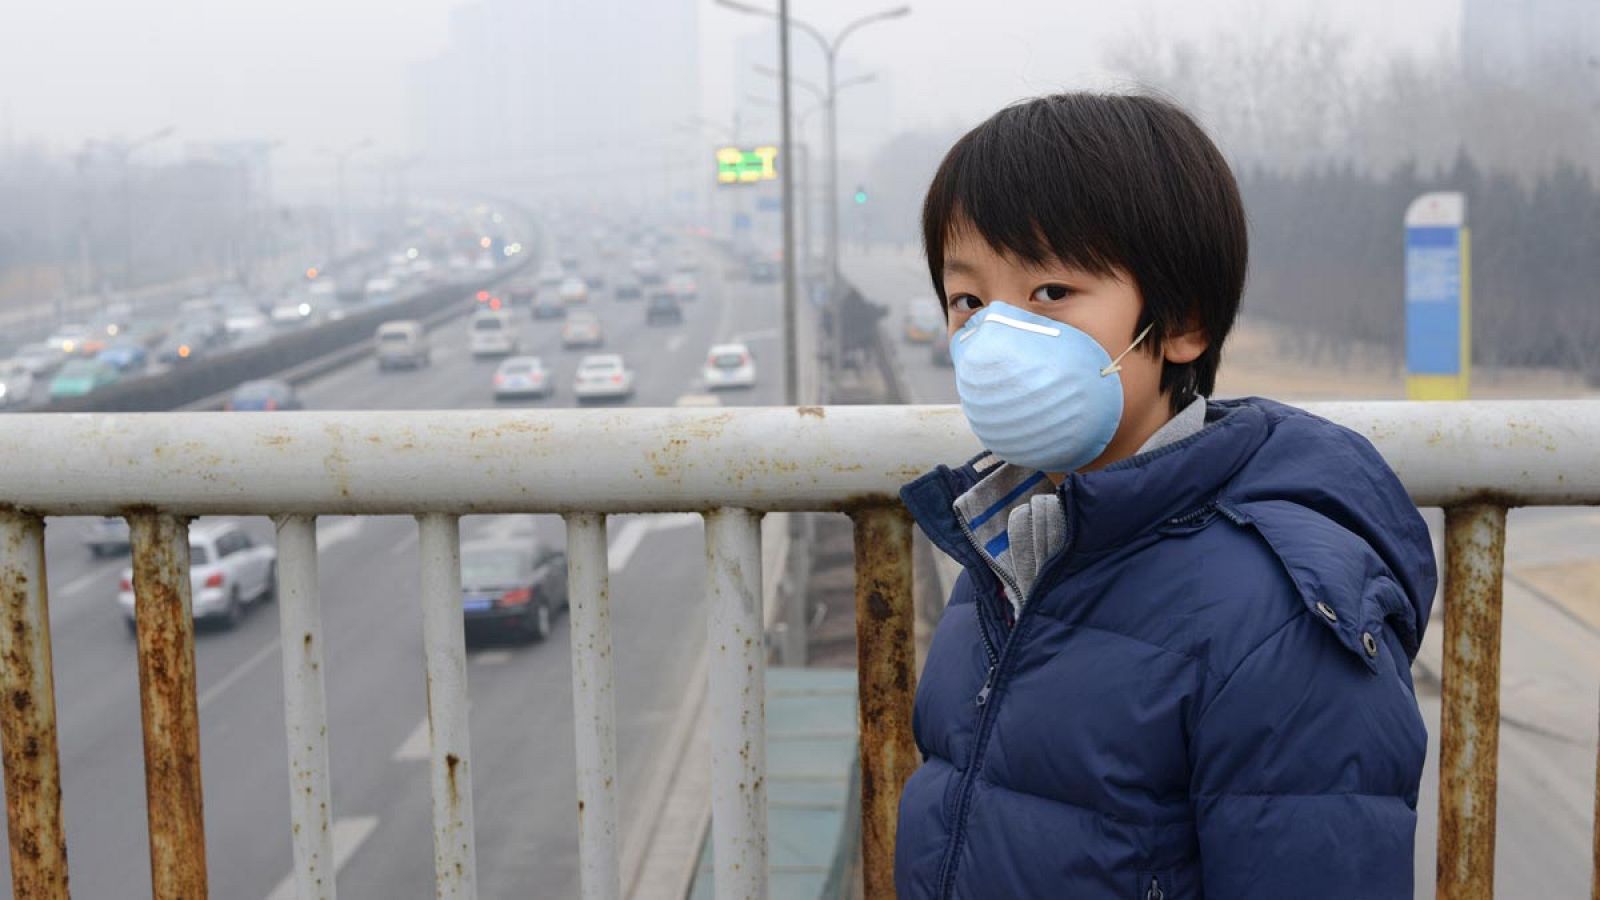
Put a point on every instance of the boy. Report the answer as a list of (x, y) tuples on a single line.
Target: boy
[(1177, 664)]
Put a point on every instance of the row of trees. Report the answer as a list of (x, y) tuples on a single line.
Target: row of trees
[(1328, 257)]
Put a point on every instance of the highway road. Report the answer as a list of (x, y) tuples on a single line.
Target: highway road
[(1550, 660), (524, 783)]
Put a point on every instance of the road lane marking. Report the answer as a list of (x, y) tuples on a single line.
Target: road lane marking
[(331, 533), (634, 531), (492, 657), (675, 343), (415, 747), (348, 836), (750, 337), (406, 542), (239, 672), (88, 578)]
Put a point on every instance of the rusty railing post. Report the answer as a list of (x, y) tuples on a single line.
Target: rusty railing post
[(1469, 739), (164, 619), (28, 720), (886, 663)]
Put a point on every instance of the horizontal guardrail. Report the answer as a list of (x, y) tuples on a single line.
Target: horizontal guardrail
[(1475, 459)]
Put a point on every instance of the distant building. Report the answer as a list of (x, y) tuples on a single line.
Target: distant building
[(560, 95)]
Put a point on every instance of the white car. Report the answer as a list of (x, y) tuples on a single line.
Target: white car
[(522, 376), (493, 333), (729, 365), (68, 339), (574, 290), (228, 571), (294, 312), (16, 384), (379, 291), (581, 329), (40, 360), (247, 325), (601, 377)]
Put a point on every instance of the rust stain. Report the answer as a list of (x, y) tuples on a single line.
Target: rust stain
[(887, 682), (170, 708), (27, 723), (814, 411), (1470, 716)]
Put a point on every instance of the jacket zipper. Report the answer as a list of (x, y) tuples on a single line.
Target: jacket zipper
[(996, 661), (1155, 892)]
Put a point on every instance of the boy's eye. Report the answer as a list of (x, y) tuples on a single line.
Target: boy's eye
[(965, 303), (1051, 293)]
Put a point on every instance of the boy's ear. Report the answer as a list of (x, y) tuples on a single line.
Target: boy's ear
[(1187, 345)]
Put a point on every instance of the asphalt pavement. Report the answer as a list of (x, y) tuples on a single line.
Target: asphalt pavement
[(524, 790)]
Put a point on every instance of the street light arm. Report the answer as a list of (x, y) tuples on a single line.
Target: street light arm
[(864, 21), (816, 91), (751, 10), (855, 82)]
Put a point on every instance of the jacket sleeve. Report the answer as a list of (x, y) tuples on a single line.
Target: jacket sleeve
[(1305, 766)]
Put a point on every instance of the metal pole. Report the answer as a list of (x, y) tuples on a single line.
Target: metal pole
[(593, 706), (1469, 728), (836, 337), (791, 374)]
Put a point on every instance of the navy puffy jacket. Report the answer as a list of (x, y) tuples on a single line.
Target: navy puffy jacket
[(1207, 694)]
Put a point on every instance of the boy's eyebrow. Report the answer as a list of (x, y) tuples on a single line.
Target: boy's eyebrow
[(959, 267)]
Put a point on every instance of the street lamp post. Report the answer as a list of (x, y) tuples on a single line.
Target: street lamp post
[(830, 53), (121, 151), (341, 227)]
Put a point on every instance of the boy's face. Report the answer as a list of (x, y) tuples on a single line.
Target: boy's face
[(1105, 308)]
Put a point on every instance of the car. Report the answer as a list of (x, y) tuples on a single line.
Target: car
[(16, 384), (548, 306), (265, 395), (698, 400), (569, 260), (108, 535), (40, 360), (574, 290), (203, 316), (647, 270), (294, 312), (381, 290), (939, 354), (68, 340), (682, 285), (729, 365), (80, 377), (602, 376), (663, 307), (402, 342), (923, 322), (184, 344), (521, 293), (627, 289), (595, 280), (514, 586), (228, 571), (522, 376), (582, 329), (124, 355), (492, 333), (246, 325)]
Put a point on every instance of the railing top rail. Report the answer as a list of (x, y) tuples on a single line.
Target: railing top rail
[(660, 460)]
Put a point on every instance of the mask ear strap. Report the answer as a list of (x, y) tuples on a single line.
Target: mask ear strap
[(1116, 364)]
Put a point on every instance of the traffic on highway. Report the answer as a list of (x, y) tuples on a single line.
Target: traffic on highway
[(514, 603)]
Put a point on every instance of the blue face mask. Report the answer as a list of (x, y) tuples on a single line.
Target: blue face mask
[(1037, 393)]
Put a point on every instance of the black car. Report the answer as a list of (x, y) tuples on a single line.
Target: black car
[(627, 290), (512, 586), (549, 306), (267, 395), (596, 281), (663, 307)]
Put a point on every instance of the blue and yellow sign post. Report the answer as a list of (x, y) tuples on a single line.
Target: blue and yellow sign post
[(1438, 298)]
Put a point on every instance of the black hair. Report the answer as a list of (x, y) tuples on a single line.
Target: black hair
[(1105, 182)]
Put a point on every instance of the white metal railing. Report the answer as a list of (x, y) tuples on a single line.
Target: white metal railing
[(732, 466)]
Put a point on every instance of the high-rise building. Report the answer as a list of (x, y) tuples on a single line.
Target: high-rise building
[(560, 96)]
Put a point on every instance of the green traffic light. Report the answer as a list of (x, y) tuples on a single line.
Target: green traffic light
[(861, 196)]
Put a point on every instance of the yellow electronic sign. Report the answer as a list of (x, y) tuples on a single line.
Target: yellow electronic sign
[(736, 165)]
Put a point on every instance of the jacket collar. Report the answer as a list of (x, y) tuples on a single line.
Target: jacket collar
[(1111, 506)]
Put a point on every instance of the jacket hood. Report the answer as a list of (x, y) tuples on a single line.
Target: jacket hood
[(1321, 495)]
